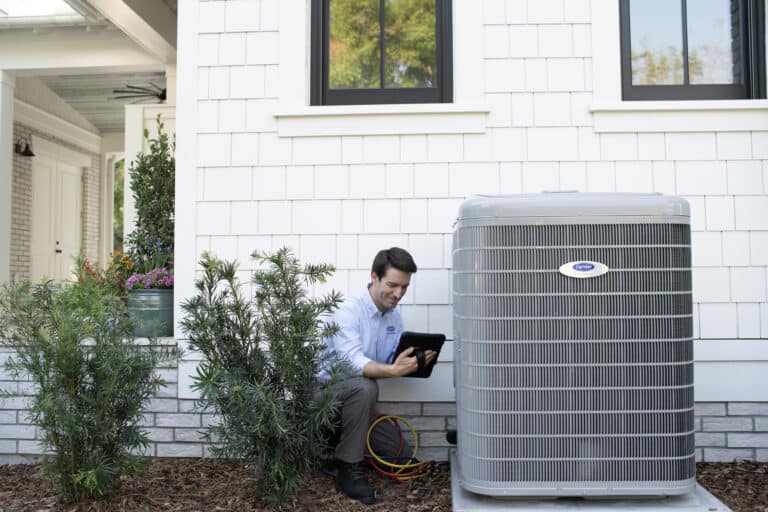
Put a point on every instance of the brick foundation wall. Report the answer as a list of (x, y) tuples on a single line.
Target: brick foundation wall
[(730, 431)]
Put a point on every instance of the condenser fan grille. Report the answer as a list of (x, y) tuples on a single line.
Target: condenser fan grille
[(589, 470), (575, 235), (511, 282), (571, 384), (509, 423)]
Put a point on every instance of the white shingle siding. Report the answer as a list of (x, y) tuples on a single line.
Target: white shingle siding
[(545, 11), (535, 66), (748, 318)]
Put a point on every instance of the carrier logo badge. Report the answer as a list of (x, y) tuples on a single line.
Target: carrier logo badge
[(583, 269), (390, 329)]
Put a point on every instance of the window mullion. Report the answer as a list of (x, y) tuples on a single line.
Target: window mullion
[(753, 43), (382, 47), (686, 78)]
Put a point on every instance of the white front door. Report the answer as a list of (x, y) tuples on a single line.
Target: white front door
[(56, 218), (68, 217)]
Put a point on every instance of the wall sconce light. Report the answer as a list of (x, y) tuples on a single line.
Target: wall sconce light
[(27, 151)]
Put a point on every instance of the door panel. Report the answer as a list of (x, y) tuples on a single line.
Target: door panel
[(68, 219), (56, 218), (42, 264)]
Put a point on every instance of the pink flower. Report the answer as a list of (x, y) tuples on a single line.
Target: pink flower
[(156, 278)]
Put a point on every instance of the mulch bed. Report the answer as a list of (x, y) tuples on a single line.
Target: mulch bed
[(742, 486), (209, 485)]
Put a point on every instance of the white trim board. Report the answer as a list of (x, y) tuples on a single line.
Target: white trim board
[(149, 24), (674, 116), (185, 258), (107, 206), (58, 152), (394, 120), (167, 110), (728, 381), (46, 122), (105, 50), (755, 350)]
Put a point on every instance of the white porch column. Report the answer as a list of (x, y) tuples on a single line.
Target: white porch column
[(7, 86), (170, 84)]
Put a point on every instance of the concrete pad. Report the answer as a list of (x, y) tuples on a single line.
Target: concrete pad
[(700, 500)]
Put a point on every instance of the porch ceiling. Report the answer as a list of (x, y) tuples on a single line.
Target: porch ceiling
[(84, 57), (172, 5), (92, 96)]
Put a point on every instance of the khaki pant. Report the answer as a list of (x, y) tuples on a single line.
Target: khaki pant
[(358, 397)]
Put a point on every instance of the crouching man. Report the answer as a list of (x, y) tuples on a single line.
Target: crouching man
[(369, 330)]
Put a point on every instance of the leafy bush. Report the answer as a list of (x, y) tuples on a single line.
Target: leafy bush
[(259, 367), (118, 269), (74, 342), (153, 174)]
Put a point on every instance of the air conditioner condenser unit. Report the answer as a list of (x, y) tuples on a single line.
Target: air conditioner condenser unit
[(574, 345)]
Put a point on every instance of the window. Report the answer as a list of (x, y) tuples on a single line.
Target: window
[(381, 51), (692, 49)]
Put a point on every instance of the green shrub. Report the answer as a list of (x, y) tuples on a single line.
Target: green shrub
[(74, 342), (152, 180), (259, 367)]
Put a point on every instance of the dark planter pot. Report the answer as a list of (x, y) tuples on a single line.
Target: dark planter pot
[(151, 312)]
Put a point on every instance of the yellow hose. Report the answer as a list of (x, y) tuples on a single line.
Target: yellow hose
[(399, 468)]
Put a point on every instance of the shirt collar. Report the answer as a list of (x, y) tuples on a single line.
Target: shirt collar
[(370, 306)]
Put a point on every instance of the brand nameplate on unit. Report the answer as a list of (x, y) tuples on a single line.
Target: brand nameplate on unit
[(583, 269)]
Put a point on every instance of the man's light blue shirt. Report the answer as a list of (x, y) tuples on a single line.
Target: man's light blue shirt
[(365, 334)]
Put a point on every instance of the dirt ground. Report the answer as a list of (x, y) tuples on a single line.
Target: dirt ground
[(208, 485), (743, 486)]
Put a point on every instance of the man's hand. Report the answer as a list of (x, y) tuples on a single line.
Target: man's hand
[(405, 364)]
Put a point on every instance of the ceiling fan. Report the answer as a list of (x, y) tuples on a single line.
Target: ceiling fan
[(140, 93)]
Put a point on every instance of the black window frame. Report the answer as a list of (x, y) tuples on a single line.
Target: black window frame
[(753, 62), (320, 94)]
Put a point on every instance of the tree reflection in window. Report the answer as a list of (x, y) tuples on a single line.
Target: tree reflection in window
[(353, 48), (692, 49), (381, 51), (355, 44), (658, 42), (409, 42)]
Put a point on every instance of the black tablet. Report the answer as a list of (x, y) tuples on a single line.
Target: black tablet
[(421, 341)]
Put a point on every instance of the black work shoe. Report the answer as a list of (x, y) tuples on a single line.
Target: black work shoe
[(351, 480)]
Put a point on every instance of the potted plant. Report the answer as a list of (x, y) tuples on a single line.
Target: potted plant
[(150, 244)]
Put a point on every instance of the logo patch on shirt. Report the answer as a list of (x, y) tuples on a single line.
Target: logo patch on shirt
[(390, 329)]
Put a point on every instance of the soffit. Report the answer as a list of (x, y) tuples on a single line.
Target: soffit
[(93, 97)]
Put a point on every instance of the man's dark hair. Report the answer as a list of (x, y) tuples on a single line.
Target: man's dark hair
[(393, 257)]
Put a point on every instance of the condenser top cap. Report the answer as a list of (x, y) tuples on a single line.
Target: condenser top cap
[(574, 205)]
